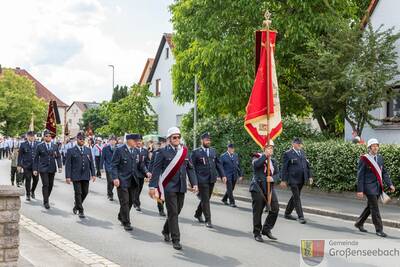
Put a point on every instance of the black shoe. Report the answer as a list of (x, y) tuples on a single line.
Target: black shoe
[(167, 237), (28, 198), (224, 201), (176, 245), (128, 227), (138, 208), (33, 195), (361, 228), (302, 221), (74, 210), (199, 218), (209, 225), (381, 234), (233, 205), (162, 213), (289, 217), (258, 238), (111, 198), (269, 235), (120, 220), (81, 215), (47, 206)]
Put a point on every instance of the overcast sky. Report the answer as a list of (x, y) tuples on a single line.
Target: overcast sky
[(68, 45)]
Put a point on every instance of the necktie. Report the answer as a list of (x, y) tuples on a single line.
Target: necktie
[(81, 150), (375, 159), (48, 146), (131, 150)]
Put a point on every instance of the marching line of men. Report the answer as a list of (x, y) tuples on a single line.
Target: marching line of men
[(167, 167)]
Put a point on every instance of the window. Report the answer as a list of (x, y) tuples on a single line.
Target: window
[(179, 120), (70, 121), (393, 107), (158, 87), (167, 53)]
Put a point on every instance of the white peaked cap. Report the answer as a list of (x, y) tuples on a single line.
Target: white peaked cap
[(172, 131), (271, 143), (373, 141)]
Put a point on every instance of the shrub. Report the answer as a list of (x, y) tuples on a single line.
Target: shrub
[(334, 161)]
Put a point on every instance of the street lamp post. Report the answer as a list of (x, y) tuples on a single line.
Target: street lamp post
[(112, 66)]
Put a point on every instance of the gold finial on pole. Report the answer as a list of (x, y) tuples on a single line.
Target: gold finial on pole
[(267, 22)]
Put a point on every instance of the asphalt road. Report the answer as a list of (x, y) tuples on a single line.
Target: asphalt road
[(229, 243)]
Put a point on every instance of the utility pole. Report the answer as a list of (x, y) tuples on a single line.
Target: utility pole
[(195, 112), (113, 86)]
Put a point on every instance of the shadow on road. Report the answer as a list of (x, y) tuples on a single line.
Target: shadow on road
[(193, 255), (93, 222)]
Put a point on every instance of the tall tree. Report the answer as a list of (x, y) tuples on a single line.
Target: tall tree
[(133, 113), (94, 118), (18, 103), (119, 93), (215, 40), (372, 76)]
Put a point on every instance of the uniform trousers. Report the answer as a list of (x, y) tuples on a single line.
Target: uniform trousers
[(138, 191), (205, 193), (373, 209), (295, 202), (81, 190), (28, 177), (258, 205), (125, 196), (47, 185), (174, 203), (230, 186)]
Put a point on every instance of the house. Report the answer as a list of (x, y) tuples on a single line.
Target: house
[(146, 71), (45, 94), (75, 114), (387, 130), (167, 112)]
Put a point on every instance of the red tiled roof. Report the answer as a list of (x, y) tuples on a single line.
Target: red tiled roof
[(41, 90), (168, 38), (146, 71), (368, 14), (83, 106)]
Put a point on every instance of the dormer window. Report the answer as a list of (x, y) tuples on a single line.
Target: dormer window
[(167, 53)]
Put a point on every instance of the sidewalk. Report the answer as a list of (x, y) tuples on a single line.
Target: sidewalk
[(35, 251), (332, 205)]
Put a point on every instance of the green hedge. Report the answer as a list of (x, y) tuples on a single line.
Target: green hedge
[(334, 162)]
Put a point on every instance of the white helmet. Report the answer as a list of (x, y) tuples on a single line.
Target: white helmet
[(372, 141), (172, 131)]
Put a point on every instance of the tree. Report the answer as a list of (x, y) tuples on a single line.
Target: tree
[(214, 40), (94, 118), (18, 103), (372, 76), (130, 114), (119, 93)]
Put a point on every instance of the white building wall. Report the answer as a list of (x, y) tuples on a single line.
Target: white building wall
[(164, 106), (74, 115), (385, 14)]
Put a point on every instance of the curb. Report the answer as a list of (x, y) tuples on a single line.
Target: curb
[(322, 212), (80, 253)]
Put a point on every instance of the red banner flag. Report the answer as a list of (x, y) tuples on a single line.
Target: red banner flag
[(51, 123), (263, 113)]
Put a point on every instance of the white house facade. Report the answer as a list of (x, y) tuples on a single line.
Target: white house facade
[(167, 112), (387, 130), (75, 114)]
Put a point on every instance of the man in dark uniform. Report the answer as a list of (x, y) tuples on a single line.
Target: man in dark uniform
[(26, 157), (126, 165), (296, 171), (259, 192), (79, 168), (208, 167), (47, 159), (231, 164), (144, 156), (160, 144), (106, 157), (175, 189), (370, 185)]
